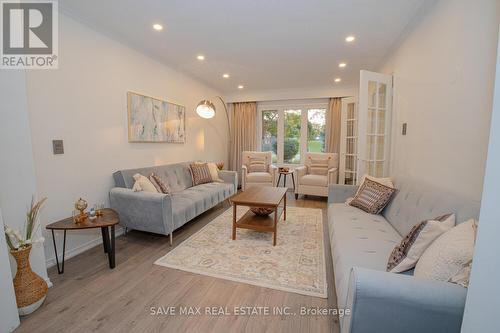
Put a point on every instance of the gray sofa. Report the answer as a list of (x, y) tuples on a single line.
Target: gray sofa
[(361, 243), (163, 213)]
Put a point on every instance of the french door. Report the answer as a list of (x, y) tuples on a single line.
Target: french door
[(374, 124), (348, 142)]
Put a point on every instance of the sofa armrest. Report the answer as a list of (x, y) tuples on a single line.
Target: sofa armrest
[(388, 302), (144, 211), (340, 193), (273, 170), (333, 175), (229, 177), (244, 172)]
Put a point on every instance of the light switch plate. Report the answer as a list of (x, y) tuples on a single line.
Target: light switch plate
[(404, 129), (58, 147)]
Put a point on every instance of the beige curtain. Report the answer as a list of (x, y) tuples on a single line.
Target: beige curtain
[(244, 132), (332, 135)]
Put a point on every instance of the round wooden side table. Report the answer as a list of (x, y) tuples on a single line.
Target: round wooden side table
[(108, 219), (284, 174)]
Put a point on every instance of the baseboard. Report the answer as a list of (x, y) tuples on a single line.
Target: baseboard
[(79, 249)]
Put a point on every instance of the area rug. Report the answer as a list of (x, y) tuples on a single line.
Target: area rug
[(296, 264)]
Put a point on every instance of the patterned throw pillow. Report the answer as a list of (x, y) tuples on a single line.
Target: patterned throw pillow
[(318, 166), (372, 197), (143, 184), (406, 254), (159, 184), (200, 173), (257, 164)]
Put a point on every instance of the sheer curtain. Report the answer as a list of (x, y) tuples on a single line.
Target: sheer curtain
[(332, 135), (244, 132)]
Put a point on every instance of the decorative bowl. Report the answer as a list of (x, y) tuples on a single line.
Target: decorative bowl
[(261, 211)]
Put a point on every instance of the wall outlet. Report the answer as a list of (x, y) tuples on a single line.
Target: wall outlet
[(58, 147)]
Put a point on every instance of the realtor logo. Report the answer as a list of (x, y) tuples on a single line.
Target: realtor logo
[(29, 34)]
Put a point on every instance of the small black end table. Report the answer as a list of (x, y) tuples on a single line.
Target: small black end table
[(285, 173), (106, 221)]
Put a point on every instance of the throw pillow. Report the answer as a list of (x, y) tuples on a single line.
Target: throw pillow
[(143, 184), (214, 172), (159, 184), (318, 166), (448, 254), (406, 254), (200, 173), (372, 197), (383, 181), (257, 164)]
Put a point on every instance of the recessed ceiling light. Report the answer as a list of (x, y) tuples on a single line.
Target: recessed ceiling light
[(342, 64), (350, 39), (157, 27), (200, 57), (338, 79), (225, 75), (240, 87)]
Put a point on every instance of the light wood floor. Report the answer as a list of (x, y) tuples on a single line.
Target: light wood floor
[(89, 297)]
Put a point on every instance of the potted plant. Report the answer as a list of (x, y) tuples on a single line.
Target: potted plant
[(30, 288)]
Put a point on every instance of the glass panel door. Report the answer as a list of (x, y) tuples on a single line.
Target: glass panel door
[(374, 123), (348, 142), (269, 137), (291, 144)]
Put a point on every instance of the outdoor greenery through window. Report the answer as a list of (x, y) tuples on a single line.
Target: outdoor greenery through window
[(291, 131), (270, 133)]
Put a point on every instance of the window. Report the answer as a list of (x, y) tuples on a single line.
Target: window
[(291, 129), (316, 124), (270, 132)]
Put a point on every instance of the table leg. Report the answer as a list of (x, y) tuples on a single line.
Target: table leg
[(111, 248), (284, 180), (104, 243), (60, 270), (234, 221), (275, 225), (278, 182), (284, 208), (293, 181)]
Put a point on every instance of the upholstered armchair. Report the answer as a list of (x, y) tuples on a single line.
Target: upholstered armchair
[(320, 170), (257, 169)]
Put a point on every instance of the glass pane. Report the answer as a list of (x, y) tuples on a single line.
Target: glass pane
[(270, 133), (370, 145), (291, 149), (379, 169), (316, 123), (381, 122), (372, 94), (381, 95), (350, 111), (371, 121), (380, 147)]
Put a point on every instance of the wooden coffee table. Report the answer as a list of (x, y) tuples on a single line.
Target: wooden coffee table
[(260, 197)]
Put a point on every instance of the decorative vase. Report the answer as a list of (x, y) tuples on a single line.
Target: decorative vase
[(30, 288)]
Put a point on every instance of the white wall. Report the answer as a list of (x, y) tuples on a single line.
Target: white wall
[(483, 303), (9, 318), (84, 103), (17, 172), (443, 77)]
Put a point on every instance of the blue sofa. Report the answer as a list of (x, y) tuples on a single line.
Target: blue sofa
[(163, 213), (380, 301)]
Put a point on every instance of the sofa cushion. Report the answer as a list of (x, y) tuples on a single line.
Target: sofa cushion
[(372, 197), (357, 239), (259, 177), (314, 180), (195, 200), (257, 164)]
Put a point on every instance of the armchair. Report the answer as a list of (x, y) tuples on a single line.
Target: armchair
[(249, 177), (320, 170)]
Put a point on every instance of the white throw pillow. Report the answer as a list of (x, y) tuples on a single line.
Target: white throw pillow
[(143, 184), (406, 254), (384, 181), (448, 254), (214, 172)]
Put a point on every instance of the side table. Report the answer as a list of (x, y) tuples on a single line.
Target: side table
[(108, 220), (284, 174)]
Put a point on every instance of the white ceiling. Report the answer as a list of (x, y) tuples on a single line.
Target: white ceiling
[(262, 44)]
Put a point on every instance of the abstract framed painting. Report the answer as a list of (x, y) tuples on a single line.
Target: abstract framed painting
[(154, 120)]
